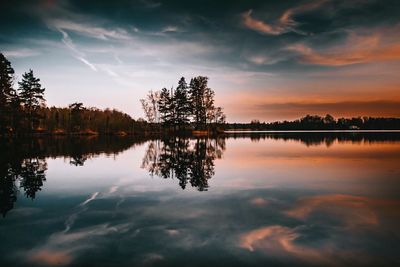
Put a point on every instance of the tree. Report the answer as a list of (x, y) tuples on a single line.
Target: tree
[(220, 117), (150, 106), (31, 95), (164, 107), (202, 101), (182, 103), (76, 116), (7, 93)]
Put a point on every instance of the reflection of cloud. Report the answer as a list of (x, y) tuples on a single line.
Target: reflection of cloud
[(279, 239), (72, 218), (49, 257), (351, 210), (258, 201), (113, 189), (92, 197), (149, 259), (61, 247), (172, 232)]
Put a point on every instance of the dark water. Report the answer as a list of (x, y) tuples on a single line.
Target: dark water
[(294, 199)]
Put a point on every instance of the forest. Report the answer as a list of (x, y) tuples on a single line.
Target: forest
[(315, 122), (24, 111)]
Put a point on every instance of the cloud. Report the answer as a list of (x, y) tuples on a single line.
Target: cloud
[(170, 29), (75, 51), (285, 23), (89, 30), (20, 53), (339, 108), (363, 47), (261, 26)]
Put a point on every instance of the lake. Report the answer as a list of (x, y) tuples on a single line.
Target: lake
[(244, 199)]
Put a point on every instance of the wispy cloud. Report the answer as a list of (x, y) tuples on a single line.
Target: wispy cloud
[(171, 29), (285, 23), (367, 46), (89, 30), (75, 51), (261, 26), (20, 53)]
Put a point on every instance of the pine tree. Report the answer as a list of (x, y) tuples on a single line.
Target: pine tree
[(31, 95), (164, 106), (171, 108), (182, 104), (7, 93)]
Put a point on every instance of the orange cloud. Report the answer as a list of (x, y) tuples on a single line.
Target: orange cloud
[(49, 257), (284, 24), (261, 26), (358, 48), (353, 210), (278, 239), (259, 201)]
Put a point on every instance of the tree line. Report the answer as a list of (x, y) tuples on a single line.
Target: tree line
[(23, 110), (315, 122), (184, 106)]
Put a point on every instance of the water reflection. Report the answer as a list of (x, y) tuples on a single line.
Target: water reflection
[(28, 173), (188, 160), (276, 202), (23, 161), (315, 138)]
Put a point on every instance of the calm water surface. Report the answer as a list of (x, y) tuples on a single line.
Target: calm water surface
[(295, 199)]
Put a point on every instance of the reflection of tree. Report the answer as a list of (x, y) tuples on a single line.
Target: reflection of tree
[(28, 173), (8, 192), (78, 160), (32, 175), (189, 161), (321, 138), (23, 165)]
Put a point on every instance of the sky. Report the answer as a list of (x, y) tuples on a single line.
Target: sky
[(266, 60)]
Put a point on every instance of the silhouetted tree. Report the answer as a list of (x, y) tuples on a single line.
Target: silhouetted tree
[(198, 88), (31, 95), (76, 116), (182, 107), (150, 106), (164, 107), (7, 94)]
